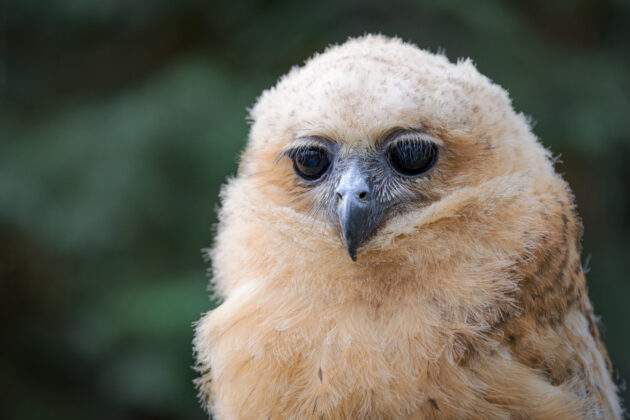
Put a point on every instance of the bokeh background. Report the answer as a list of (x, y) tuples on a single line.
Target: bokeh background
[(119, 120)]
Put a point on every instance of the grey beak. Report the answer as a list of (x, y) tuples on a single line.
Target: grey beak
[(354, 209)]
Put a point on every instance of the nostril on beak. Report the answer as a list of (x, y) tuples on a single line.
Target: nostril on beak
[(362, 195)]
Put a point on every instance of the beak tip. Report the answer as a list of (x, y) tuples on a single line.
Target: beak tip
[(352, 251)]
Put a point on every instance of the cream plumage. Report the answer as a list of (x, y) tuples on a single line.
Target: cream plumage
[(467, 297)]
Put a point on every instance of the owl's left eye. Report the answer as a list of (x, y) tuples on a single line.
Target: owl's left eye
[(311, 163), (412, 157)]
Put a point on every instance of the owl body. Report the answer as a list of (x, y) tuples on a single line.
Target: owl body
[(466, 298)]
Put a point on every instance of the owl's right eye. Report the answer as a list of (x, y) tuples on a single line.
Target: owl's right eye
[(310, 163)]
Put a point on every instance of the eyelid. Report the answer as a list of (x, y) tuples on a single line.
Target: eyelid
[(302, 143), (412, 134)]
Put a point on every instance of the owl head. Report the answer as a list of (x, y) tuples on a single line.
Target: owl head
[(377, 154)]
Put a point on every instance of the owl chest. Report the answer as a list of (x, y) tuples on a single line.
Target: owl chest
[(355, 364)]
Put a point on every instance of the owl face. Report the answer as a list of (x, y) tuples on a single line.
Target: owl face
[(376, 129), (358, 187)]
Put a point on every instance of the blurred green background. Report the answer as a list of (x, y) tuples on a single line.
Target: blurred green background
[(119, 121)]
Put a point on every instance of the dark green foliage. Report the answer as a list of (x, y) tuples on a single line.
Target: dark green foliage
[(120, 120)]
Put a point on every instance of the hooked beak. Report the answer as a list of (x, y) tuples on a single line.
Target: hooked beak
[(355, 210)]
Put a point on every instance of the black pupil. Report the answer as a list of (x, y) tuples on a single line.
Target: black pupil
[(311, 163), (412, 157)]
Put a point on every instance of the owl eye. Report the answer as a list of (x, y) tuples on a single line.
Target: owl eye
[(412, 157), (310, 162)]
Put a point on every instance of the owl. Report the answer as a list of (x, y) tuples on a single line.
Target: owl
[(397, 244)]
